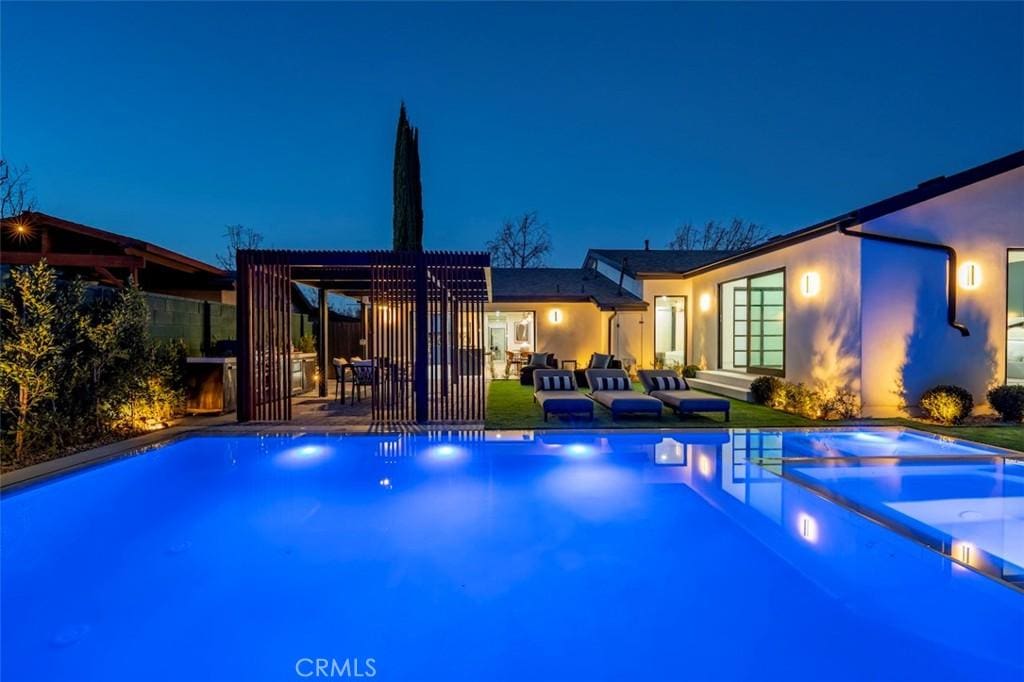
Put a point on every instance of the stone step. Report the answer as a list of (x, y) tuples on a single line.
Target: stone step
[(721, 389), (734, 379)]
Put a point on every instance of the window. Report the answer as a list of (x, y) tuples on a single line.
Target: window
[(752, 324), (670, 331)]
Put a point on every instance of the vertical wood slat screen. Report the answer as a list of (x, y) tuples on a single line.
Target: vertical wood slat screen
[(427, 372), (391, 335), (264, 337), (454, 337)]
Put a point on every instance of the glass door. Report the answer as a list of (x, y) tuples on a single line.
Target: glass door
[(752, 324), (669, 332), (1015, 317), (766, 339)]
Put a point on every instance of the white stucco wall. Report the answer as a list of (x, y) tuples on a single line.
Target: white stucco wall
[(583, 328), (908, 344), (822, 331)]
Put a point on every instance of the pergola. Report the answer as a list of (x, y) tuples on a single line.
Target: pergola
[(424, 329)]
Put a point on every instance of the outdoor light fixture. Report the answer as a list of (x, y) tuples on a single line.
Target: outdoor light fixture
[(704, 466), (704, 302), (970, 275), (555, 316), (810, 284)]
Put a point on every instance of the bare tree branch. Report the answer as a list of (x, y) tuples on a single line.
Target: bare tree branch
[(520, 243), (716, 236), (238, 237), (15, 191)]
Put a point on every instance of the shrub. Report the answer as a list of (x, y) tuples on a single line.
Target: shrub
[(1008, 401), (802, 400), (947, 404), (843, 404), (690, 371), (764, 389)]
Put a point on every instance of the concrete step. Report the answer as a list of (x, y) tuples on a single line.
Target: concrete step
[(718, 388), (734, 379)]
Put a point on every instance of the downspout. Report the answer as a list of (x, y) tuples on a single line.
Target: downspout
[(844, 228), (610, 320)]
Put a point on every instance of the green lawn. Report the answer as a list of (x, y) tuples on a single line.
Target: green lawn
[(511, 406)]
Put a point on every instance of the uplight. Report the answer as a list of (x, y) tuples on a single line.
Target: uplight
[(555, 316)]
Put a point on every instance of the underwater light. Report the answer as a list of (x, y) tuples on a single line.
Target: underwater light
[(303, 455), (445, 452), (579, 450)]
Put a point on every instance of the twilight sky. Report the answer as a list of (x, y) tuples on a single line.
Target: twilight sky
[(615, 122)]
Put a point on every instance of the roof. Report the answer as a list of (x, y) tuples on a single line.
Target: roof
[(929, 189), (654, 262), (566, 285), (130, 245)]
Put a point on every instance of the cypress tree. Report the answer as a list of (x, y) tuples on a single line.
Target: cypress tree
[(407, 220)]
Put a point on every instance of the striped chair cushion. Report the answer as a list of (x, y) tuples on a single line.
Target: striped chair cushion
[(668, 384), (557, 383), (612, 384)]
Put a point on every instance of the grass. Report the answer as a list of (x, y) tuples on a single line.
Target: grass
[(511, 406)]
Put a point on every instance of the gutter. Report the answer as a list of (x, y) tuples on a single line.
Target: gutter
[(843, 227)]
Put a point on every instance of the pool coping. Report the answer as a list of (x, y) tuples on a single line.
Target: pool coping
[(130, 447)]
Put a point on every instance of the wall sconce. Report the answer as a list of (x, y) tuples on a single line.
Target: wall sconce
[(810, 284), (970, 275), (555, 316), (704, 302)]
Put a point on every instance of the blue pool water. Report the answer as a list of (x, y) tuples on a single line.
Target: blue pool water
[(666, 555)]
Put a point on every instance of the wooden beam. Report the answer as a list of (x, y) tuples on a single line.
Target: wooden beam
[(80, 260), (161, 260)]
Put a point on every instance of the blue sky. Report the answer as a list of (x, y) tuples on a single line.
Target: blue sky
[(615, 122)]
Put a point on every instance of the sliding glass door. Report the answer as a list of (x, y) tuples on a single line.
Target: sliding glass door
[(670, 331), (1015, 317), (752, 324)]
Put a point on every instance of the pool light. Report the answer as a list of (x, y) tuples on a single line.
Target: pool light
[(445, 452), (303, 455), (579, 450)]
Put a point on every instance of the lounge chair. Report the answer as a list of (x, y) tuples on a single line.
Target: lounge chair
[(677, 395), (613, 389), (536, 361), (597, 361), (555, 392)]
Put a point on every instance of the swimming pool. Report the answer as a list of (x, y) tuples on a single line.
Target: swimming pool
[(501, 555)]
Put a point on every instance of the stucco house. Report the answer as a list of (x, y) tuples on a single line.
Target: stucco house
[(922, 288)]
